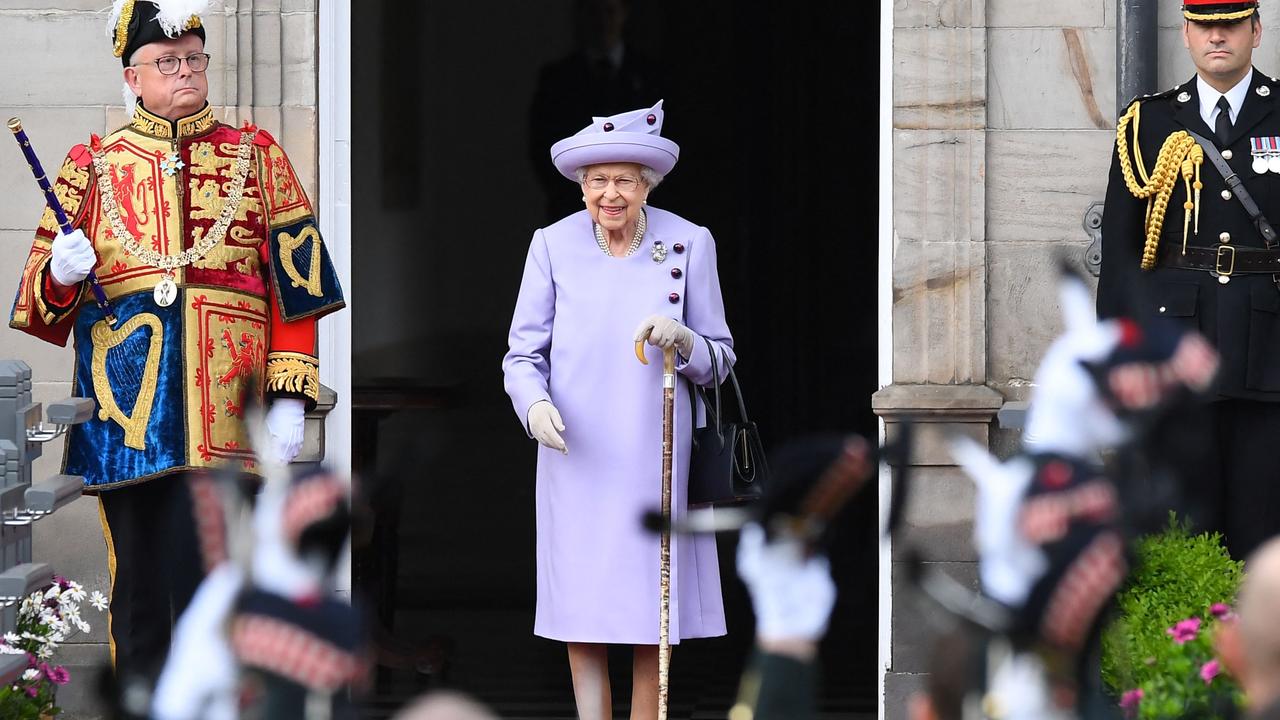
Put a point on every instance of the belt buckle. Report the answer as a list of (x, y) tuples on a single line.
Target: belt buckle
[(1224, 274)]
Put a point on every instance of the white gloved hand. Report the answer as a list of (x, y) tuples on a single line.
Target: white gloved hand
[(72, 258), (200, 641), (664, 332), (284, 422), (545, 425), (792, 595)]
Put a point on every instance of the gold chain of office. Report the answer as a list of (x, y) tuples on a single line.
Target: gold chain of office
[(111, 208), (1179, 155)]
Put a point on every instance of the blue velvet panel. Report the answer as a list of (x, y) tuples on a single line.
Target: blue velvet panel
[(96, 450), (297, 302)]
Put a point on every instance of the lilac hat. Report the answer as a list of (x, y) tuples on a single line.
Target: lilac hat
[(627, 137)]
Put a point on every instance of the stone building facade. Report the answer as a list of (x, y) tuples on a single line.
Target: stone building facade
[(1002, 126), (60, 78)]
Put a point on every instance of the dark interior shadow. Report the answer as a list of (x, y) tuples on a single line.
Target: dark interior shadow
[(774, 106)]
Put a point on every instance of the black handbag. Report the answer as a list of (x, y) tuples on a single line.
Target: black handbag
[(727, 464)]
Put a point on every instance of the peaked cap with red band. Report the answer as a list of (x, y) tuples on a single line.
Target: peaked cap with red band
[(1218, 11)]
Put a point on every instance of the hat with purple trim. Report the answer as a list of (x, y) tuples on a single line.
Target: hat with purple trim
[(633, 137)]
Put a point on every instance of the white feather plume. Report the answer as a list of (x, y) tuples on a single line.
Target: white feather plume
[(113, 18), (130, 100), (173, 15)]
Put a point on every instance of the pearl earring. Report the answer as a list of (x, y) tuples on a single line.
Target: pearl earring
[(584, 198)]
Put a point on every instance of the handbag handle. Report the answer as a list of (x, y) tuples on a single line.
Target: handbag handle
[(733, 377), (717, 415), (742, 404), (695, 390)]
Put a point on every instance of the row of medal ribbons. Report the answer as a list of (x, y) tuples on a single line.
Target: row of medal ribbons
[(1266, 154)]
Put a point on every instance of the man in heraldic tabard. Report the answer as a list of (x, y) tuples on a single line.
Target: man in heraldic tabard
[(208, 252)]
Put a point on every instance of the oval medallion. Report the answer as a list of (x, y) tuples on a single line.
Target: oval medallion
[(1260, 164), (166, 292)]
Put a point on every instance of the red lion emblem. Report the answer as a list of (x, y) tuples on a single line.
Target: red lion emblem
[(247, 356)]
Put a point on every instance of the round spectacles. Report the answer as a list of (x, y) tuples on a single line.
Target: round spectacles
[(169, 64), (625, 183)]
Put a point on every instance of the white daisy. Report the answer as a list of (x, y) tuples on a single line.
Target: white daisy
[(98, 601)]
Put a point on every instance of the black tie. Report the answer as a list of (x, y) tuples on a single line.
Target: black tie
[(1222, 126)]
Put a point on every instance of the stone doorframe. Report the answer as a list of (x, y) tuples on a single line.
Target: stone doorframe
[(334, 210), (933, 305)]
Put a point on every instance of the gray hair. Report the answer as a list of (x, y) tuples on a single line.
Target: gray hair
[(650, 176)]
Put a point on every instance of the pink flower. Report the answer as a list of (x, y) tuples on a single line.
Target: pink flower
[(1209, 671), (1129, 702), (58, 675), (1220, 610), (1185, 630), (33, 691)]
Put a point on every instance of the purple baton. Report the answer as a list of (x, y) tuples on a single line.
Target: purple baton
[(63, 223)]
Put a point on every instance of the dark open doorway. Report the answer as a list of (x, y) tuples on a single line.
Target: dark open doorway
[(774, 106)]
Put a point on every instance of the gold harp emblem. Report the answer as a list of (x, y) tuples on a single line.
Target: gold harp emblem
[(290, 244), (104, 339)]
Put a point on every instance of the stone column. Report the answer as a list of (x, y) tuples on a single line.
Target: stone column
[(1003, 119), (939, 297)]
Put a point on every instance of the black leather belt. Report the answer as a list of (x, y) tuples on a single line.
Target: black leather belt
[(1222, 259)]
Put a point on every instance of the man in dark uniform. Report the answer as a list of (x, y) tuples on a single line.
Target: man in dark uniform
[(1181, 242)]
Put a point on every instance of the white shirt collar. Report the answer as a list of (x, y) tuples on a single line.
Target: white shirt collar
[(1209, 98)]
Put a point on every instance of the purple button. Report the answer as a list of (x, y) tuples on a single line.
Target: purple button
[(676, 273), (608, 127), (652, 119), (678, 247), (674, 298)]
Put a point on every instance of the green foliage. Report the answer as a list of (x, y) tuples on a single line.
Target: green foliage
[(1177, 576), (17, 703)]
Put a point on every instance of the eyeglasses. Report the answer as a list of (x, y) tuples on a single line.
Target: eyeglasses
[(169, 64), (625, 184)]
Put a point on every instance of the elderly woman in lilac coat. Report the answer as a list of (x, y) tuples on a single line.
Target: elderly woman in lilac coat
[(594, 283)]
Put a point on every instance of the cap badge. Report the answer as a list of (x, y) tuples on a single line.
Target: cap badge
[(1263, 91), (1184, 96)]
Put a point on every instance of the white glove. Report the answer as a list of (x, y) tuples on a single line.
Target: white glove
[(545, 425), (792, 595), (72, 259), (284, 422), (664, 332), (200, 641)]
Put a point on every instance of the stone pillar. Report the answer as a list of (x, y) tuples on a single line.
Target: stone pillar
[(939, 298)]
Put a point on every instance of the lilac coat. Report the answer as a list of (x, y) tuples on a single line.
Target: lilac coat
[(571, 343)]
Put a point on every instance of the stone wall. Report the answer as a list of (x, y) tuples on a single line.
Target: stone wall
[(60, 78), (1002, 123)]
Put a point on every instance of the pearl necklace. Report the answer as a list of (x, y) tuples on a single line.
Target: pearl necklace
[(641, 222)]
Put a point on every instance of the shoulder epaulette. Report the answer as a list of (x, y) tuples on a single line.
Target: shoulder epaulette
[(1154, 96)]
